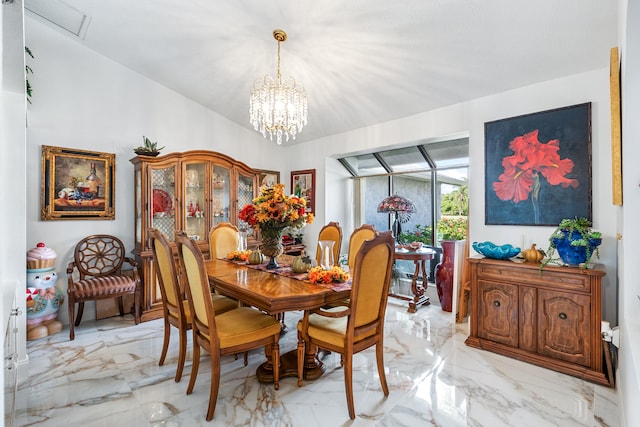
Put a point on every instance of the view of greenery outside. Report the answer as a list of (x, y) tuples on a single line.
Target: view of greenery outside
[(456, 202), (419, 233)]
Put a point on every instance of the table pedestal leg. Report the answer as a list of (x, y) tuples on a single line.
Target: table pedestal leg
[(313, 367), (418, 290)]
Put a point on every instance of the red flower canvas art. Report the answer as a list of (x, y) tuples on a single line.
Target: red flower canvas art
[(522, 170), (538, 167)]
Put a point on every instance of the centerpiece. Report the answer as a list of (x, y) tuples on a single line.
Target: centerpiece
[(334, 275), (272, 212)]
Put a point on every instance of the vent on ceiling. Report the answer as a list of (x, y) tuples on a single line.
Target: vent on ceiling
[(60, 14)]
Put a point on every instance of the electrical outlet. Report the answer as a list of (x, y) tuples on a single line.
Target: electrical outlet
[(610, 334)]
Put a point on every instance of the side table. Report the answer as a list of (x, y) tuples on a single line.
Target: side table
[(419, 258)]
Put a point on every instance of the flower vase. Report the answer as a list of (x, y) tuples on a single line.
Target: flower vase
[(444, 274), (272, 246)]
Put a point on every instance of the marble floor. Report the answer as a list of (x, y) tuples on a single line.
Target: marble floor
[(109, 376)]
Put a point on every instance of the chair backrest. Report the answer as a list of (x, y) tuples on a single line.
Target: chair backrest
[(223, 238), (197, 287), (331, 231), (99, 255), (166, 271), (359, 235), (370, 285)]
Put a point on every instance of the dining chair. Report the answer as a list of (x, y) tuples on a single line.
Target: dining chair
[(232, 332), (223, 238), (332, 231), (358, 326), (98, 262), (175, 308), (357, 238)]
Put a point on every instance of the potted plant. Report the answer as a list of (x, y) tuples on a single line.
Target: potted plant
[(574, 241), (148, 148)]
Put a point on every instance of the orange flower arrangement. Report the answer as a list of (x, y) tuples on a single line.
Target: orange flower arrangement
[(334, 275), (239, 255), (273, 211)]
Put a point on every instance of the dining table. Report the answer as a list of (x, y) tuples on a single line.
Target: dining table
[(276, 292)]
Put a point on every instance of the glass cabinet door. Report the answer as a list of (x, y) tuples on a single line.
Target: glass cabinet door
[(163, 198), (138, 207), (195, 206), (245, 196), (221, 205)]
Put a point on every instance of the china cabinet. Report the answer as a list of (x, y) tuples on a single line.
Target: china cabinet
[(550, 318), (191, 191)]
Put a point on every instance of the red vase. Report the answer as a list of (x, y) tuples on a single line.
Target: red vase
[(444, 274)]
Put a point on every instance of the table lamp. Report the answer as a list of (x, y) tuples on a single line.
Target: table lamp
[(401, 208)]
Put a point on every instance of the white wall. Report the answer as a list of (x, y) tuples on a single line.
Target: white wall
[(629, 274), (84, 100), (12, 166)]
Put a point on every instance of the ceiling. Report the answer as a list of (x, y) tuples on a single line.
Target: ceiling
[(361, 61)]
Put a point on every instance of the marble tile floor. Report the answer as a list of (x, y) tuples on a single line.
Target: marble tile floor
[(109, 376)]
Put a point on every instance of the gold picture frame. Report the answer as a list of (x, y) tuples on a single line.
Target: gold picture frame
[(616, 128), (77, 184), (267, 178)]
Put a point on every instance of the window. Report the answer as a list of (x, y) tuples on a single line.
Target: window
[(433, 176)]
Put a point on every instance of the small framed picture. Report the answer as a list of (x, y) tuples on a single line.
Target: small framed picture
[(303, 184), (268, 178), (77, 184)]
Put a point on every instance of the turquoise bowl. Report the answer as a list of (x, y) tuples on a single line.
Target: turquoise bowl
[(491, 250)]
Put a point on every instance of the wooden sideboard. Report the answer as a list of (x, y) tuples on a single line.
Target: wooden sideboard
[(550, 318)]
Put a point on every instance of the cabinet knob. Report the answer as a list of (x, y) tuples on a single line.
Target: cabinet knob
[(563, 316), (496, 303)]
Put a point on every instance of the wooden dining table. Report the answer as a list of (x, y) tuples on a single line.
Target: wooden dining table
[(275, 294)]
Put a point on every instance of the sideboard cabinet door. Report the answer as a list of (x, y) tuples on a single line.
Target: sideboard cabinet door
[(498, 319), (563, 326)]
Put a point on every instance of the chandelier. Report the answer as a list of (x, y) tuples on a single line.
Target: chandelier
[(278, 106)]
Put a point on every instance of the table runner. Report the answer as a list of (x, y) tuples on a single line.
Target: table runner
[(286, 270)]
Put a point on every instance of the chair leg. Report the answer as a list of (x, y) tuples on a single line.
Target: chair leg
[(72, 304), (381, 374), (182, 356), (215, 385), (136, 304), (300, 360), (80, 311), (275, 357), (165, 341), (195, 365), (120, 300), (348, 384)]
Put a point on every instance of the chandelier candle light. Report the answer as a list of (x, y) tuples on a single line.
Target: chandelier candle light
[(401, 207), (278, 106)]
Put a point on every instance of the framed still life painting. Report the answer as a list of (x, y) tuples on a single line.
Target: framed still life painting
[(77, 184), (538, 167)]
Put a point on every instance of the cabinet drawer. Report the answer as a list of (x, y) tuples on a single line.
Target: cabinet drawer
[(554, 278)]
